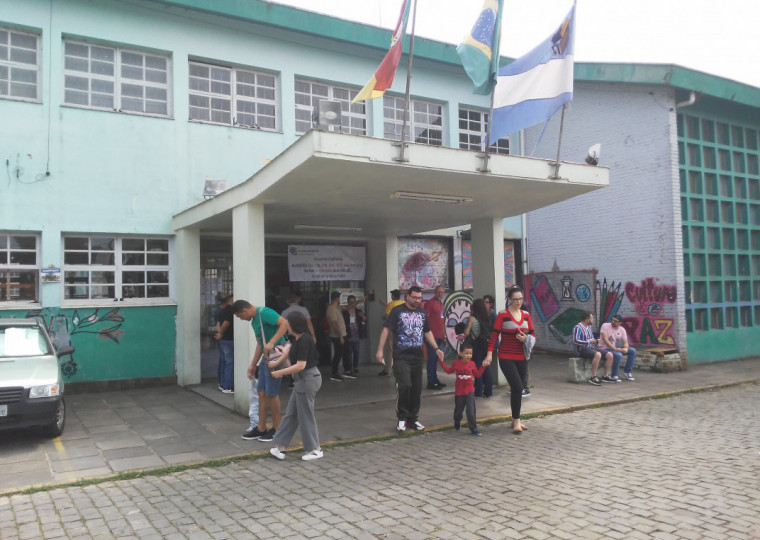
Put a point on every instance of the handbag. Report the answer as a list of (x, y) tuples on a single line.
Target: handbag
[(276, 352)]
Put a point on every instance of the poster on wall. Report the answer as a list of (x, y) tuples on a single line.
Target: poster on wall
[(423, 262), (326, 263), (509, 263)]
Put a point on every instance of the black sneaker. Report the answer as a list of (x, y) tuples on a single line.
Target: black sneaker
[(457, 424), (595, 381), (253, 434), (349, 375), (526, 392), (335, 377), (383, 374), (608, 379), (436, 386), (268, 436)]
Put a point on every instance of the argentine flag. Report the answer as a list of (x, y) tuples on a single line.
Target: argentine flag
[(533, 87)]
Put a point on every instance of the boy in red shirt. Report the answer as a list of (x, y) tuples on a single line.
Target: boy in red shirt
[(464, 389)]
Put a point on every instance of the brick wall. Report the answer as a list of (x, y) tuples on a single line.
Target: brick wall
[(629, 232)]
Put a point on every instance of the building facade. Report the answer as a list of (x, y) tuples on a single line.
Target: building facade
[(672, 244)]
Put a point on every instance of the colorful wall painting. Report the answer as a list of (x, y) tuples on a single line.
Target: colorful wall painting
[(558, 299), (509, 263), (424, 262), (111, 343)]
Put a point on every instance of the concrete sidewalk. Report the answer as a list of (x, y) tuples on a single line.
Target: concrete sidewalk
[(112, 432)]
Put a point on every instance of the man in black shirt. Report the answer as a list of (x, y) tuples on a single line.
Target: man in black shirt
[(409, 326)]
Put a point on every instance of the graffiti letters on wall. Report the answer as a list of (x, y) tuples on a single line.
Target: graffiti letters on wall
[(650, 321)]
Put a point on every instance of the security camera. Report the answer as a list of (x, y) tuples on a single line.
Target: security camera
[(592, 158)]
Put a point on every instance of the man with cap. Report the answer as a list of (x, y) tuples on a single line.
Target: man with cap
[(224, 337), (615, 340)]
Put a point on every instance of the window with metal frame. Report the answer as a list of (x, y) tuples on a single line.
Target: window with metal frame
[(19, 267), (425, 120), (112, 78), (719, 162), (473, 131), (115, 267), (308, 94), (233, 96), (19, 65)]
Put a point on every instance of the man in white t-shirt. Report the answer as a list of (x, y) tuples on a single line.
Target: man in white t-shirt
[(615, 340)]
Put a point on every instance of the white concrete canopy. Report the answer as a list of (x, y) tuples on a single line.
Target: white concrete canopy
[(331, 179)]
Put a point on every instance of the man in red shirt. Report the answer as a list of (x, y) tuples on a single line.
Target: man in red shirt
[(434, 310)]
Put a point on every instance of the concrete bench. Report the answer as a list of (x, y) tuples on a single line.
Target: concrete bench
[(578, 370)]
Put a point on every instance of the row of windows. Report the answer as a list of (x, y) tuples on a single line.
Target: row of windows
[(94, 267), (135, 82)]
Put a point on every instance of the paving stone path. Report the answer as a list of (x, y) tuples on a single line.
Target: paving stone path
[(683, 467)]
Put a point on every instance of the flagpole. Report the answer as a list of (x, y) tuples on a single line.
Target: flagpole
[(486, 153), (555, 176), (408, 86)]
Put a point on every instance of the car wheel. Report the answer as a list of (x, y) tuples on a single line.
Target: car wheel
[(55, 428)]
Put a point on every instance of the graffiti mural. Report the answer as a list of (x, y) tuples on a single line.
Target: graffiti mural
[(423, 262), (649, 323), (509, 263), (456, 310), (557, 300), (61, 328)]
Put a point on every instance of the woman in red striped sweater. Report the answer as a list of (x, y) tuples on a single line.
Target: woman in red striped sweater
[(513, 326)]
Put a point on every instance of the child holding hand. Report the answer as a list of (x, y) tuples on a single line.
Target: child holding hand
[(464, 389)]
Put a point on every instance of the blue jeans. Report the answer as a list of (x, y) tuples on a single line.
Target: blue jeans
[(268, 384), (352, 352), (618, 356), (432, 362), (226, 362)]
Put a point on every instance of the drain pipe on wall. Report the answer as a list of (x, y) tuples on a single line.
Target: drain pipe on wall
[(691, 101)]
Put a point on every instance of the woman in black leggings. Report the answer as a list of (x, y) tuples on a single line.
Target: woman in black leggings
[(513, 326)]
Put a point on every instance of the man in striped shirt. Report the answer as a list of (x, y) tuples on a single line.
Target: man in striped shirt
[(586, 347)]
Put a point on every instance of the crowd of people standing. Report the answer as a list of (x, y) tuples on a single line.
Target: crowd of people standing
[(411, 343)]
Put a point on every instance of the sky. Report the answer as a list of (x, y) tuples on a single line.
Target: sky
[(719, 37)]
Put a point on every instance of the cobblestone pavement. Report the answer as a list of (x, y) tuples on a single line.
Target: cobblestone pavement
[(683, 467)]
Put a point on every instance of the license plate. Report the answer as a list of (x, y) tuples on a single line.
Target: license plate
[(3, 410)]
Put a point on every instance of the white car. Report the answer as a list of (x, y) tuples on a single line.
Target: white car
[(31, 386)]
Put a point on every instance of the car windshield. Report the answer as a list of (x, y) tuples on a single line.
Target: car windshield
[(22, 341)]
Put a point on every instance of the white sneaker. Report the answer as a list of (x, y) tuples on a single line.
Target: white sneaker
[(616, 378), (276, 452), (314, 454), (417, 426), (401, 425), (629, 376)]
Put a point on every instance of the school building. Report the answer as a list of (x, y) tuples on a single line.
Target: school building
[(158, 152)]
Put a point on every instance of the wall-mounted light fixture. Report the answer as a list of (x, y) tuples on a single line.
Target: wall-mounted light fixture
[(430, 197)]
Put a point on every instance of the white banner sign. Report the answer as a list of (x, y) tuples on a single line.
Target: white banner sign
[(326, 263)]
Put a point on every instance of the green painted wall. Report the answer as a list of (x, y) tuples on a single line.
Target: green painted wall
[(727, 344), (112, 343)]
